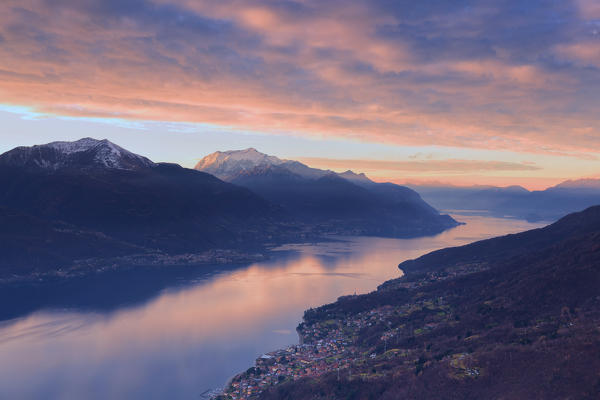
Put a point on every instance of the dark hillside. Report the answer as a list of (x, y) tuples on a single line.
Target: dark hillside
[(502, 248), (329, 202), (65, 203), (515, 317)]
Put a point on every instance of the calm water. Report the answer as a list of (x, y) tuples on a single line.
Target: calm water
[(175, 334)]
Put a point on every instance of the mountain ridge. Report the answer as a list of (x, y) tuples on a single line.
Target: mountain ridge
[(515, 201), (586, 183), (93, 191), (227, 164), (136, 211), (517, 322), (340, 203), (83, 153)]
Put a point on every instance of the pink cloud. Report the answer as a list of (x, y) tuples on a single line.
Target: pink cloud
[(590, 9), (584, 53), (426, 166), (312, 68)]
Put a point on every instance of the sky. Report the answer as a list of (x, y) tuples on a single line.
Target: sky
[(464, 92)]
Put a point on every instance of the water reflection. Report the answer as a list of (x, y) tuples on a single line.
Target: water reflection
[(191, 332)]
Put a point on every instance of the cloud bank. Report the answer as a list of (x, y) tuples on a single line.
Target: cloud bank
[(438, 166), (517, 75)]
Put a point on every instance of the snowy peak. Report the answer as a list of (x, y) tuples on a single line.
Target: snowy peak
[(78, 145), (86, 153), (233, 164), (229, 164), (354, 177), (249, 156)]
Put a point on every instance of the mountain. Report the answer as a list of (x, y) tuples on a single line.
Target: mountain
[(592, 184), (514, 317), (355, 178), (90, 199), (503, 249), (515, 201), (229, 164), (86, 153), (344, 203)]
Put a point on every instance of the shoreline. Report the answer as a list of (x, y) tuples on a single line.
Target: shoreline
[(219, 256)]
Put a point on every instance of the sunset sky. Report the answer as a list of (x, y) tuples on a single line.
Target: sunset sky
[(463, 92)]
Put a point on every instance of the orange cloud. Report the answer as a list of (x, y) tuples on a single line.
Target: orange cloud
[(409, 76), (445, 166), (585, 53), (590, 9)]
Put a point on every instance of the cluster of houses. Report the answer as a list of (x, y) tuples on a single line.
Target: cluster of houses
[(329, 345), (292, 363), (325, 348), (442, 275)]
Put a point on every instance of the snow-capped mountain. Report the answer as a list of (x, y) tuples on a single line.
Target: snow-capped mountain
[(342, 203), (233, 164), (86, 153), (354, 177), (227, 165), (68, 201)]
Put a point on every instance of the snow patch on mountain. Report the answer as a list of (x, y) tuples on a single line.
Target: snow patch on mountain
[(354, 177), (228, 165), (76, 146), (84, 153)]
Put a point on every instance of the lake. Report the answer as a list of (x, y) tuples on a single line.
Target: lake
[(176, 333)]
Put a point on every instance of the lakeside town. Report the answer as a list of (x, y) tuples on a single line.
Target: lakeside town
[(323, 349), (330, 346)]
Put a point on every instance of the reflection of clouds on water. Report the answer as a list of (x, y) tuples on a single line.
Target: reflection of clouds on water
[(466, 238), (23, 329), (354, 275)]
